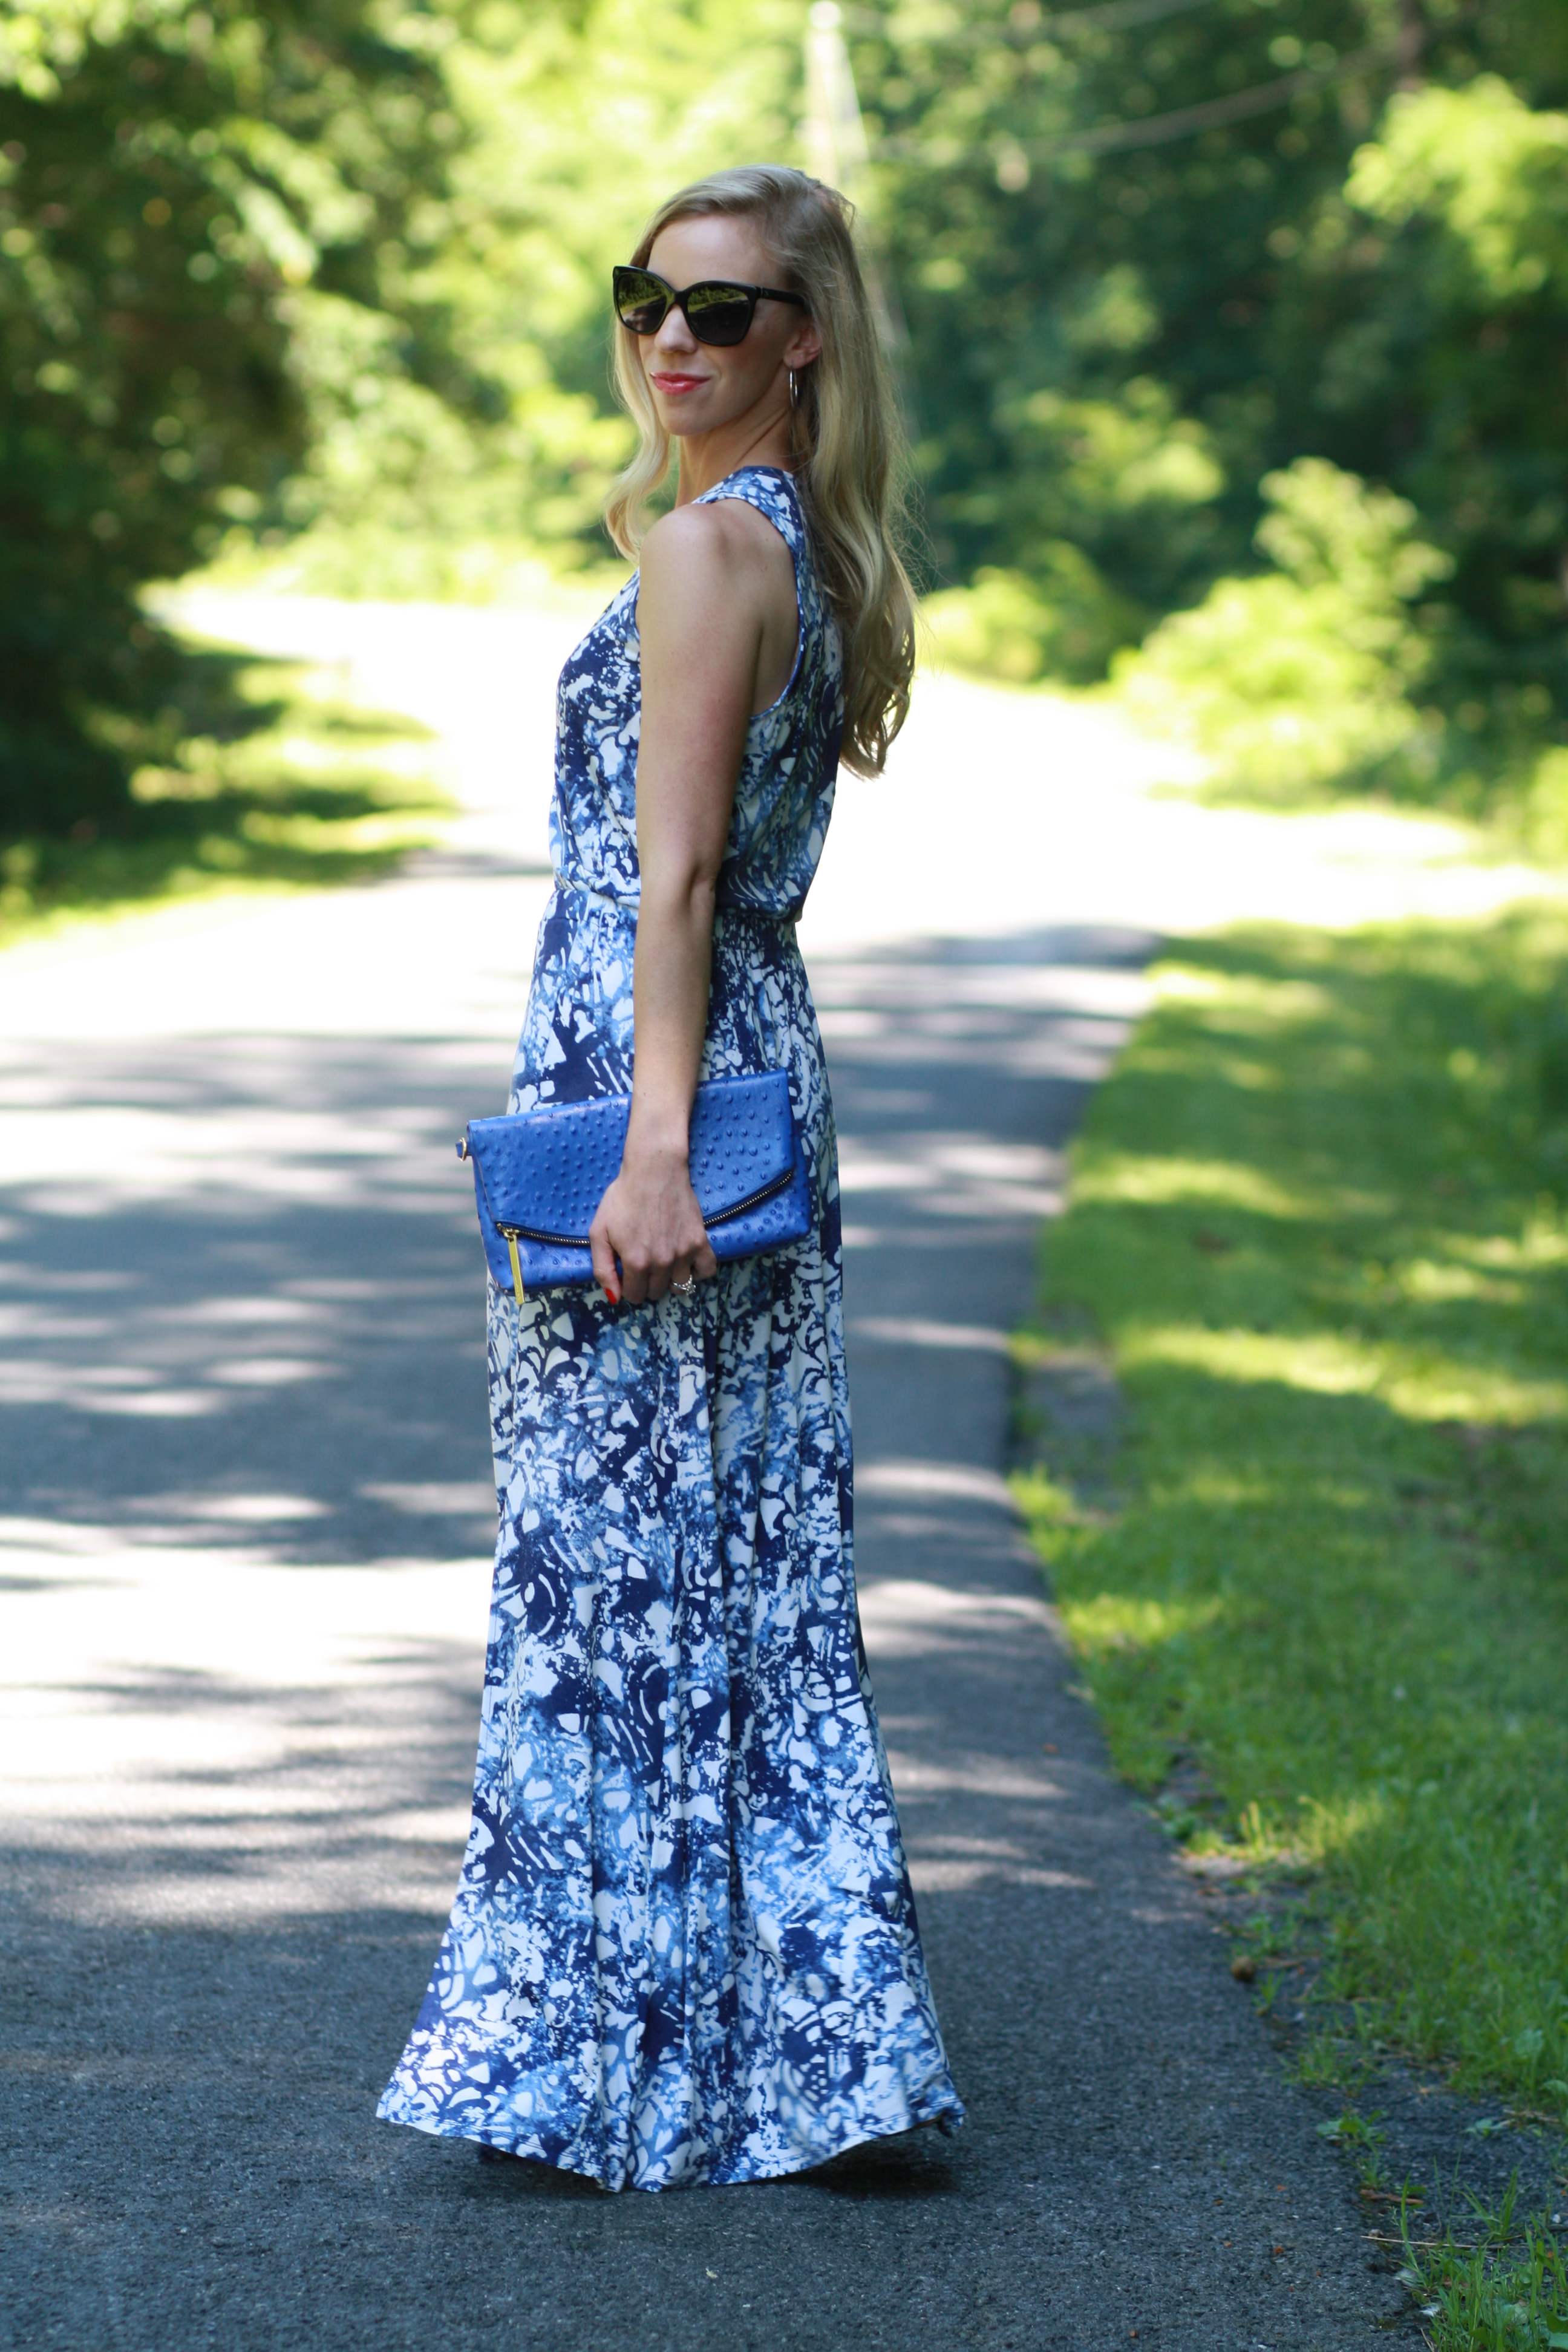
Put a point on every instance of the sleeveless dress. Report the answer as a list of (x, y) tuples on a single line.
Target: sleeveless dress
[(684, 1947)]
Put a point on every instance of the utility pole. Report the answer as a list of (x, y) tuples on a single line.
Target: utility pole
[(835, 147), (835, 150)]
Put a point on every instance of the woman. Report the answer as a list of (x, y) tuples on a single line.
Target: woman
[(683, 1947)]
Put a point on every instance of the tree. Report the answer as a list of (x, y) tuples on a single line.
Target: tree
[(172, 181), (1153, 251), (1436, 293)]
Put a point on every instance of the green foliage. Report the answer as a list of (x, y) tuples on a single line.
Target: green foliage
[(1439, 286), (1542, 808), (1118, 348), (261, 779), (321, 281), (1048, 287), (1485, 171), (1304, 676), (169, 177), (1064, 621), (320, 284), (1319, 1212), (499, 446)]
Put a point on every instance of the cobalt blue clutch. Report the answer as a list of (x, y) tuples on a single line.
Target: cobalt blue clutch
[(539, 1176)]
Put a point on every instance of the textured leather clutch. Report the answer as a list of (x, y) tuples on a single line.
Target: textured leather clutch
[(539, 1176)]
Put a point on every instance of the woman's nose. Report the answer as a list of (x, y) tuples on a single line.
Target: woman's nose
[(675, 336)]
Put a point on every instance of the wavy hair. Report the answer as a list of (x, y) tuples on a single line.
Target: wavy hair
[(846, 437)]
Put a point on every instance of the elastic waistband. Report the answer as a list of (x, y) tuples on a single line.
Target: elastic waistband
[(732, 907)]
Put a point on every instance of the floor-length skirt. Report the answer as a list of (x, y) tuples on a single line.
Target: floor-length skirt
[(684, 1945)]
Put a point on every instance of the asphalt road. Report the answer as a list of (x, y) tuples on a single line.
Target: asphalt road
[(247, 1514)]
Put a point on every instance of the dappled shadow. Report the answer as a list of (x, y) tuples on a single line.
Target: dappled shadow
[(1322, 1221), (216, 1946), (241, 776), (272, 1344)]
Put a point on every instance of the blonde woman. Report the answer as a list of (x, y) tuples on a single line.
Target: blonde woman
[(683, 1948)]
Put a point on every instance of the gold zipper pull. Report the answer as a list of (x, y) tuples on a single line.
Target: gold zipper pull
[(516, 1267)]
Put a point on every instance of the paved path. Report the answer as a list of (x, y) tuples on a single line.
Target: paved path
[(246, 1573)]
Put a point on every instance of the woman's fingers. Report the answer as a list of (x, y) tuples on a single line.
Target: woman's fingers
[(700, 1265), (604, 1258), (640, 1257)]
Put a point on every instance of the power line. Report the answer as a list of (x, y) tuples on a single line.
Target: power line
[(1182, 122), (1111, 18), (1185, 121)]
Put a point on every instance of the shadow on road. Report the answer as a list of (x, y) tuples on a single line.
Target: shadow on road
[(250, 1514)]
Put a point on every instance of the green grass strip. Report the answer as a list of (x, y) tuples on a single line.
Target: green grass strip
[(257, 777), (1316, 1214)]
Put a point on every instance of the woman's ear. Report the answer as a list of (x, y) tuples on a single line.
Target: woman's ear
[(803, 347)]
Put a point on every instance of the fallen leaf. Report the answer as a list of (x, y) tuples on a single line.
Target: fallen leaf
[(712, 2274), (1243, 1967)]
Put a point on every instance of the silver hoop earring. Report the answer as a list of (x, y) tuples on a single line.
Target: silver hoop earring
[(793, 389)]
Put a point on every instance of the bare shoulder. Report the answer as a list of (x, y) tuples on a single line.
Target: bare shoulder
[(727, 545), (717, 601)]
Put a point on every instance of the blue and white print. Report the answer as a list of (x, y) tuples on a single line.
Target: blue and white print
[(684, 1945)]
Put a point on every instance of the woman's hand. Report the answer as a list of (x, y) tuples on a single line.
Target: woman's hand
[(649, 1220)]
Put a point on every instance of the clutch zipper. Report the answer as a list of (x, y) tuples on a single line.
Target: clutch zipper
[(512, 1235), (753, 1200)]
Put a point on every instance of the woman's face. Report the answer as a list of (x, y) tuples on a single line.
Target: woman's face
[(703, 387)]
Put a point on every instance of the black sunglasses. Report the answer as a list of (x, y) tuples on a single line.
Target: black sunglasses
[(717, 310)]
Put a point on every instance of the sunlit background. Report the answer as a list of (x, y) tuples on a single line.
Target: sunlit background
[(1230, 334)]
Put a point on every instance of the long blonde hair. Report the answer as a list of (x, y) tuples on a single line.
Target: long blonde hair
[(847, 440)]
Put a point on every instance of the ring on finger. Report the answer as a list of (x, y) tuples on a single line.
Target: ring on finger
[(685, 1288)]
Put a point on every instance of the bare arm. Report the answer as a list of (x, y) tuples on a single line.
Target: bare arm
[(707, 613)]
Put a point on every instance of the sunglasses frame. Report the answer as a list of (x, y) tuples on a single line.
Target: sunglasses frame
[(754, 294)]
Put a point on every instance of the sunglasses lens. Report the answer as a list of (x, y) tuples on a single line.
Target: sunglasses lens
[(641, 302), (718, 314)]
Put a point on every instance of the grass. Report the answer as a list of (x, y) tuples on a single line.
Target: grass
[(1317, 1215), (255, 776), (1500, 2288)]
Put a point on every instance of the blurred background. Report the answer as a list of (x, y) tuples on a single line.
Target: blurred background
[(1232, 335)]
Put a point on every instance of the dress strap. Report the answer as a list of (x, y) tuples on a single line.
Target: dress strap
[(771, 491)]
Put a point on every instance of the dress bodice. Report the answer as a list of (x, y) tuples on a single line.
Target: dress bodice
[(783, 796)]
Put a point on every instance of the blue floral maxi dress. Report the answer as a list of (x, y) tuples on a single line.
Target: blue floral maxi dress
[(684, 1945)]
